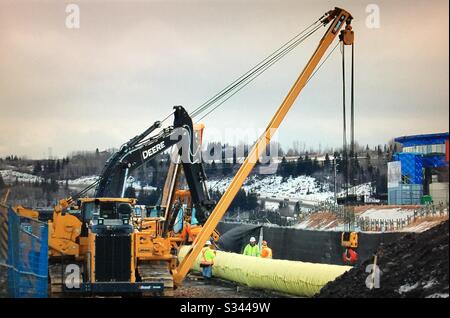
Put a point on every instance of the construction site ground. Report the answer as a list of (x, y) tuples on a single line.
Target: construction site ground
[(195, 286), (413, 266)]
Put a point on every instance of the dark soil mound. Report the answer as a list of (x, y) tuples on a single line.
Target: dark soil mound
[(414, 266)]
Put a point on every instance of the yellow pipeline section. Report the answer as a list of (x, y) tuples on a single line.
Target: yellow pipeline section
[(290, 277)]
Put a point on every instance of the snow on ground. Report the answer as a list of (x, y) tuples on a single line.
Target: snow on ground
[(324, 226), (273, 186), (10, 176), (87, 180), (84, 181), (407, 288), (273, 206), (300, 188), (137, 185), (361, 189), (422, 225), (387, 214), (438, 295)]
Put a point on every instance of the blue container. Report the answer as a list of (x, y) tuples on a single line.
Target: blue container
[(405, 194)]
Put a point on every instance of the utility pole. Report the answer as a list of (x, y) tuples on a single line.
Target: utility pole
[(335, 180)]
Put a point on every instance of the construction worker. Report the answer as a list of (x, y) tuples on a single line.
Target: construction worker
[(266, 252), (207, 260), (186, 233), (252, 248), (350, 256)]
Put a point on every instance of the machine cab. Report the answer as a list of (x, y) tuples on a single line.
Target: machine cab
[(349, 239), (106, 212)]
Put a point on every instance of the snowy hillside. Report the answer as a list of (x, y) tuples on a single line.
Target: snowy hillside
[(273, 186), (299, 188), (87, 180), (10, 176), (83, 181), (302, 187)]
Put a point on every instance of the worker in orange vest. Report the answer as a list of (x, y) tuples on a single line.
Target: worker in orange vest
[(266, 252), (186, 233)]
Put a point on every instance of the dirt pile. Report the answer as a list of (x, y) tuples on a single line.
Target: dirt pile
[(414, 266)]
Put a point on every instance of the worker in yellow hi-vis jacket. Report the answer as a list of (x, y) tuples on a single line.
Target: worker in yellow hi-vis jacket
[(207, 260), (252, 248)]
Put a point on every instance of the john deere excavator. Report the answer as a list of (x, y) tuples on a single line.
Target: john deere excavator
[(116, 250), (119, 253)]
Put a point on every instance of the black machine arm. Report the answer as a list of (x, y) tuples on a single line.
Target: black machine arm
[(138, 151)]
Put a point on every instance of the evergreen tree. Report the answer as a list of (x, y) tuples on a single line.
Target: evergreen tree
[(315, 165), (308, 165), (297, 207), (227, 168), (284, 168), (54, 186), (37, 169), (299, 168), (213, 168), (2, 183), (252, 201), (239, 201), (326, 163)]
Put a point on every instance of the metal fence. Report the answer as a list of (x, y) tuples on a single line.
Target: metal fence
[(366, 224), (23, 256), (353, 221)]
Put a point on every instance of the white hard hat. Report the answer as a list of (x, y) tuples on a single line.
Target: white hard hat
[(252, 239), (208, 243)]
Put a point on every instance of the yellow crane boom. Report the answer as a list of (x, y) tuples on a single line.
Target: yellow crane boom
[(338, 17)]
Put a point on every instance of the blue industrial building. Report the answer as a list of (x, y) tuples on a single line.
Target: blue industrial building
[(422, 159)]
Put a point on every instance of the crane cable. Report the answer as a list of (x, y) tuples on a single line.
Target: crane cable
[(251, 79), (247, 78), (344, 118), (348, 154), (251, 74), (312, 75), (251, 70), (258, 69), (352, 127)]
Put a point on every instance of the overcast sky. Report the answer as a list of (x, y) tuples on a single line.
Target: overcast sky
[(131, 61)]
